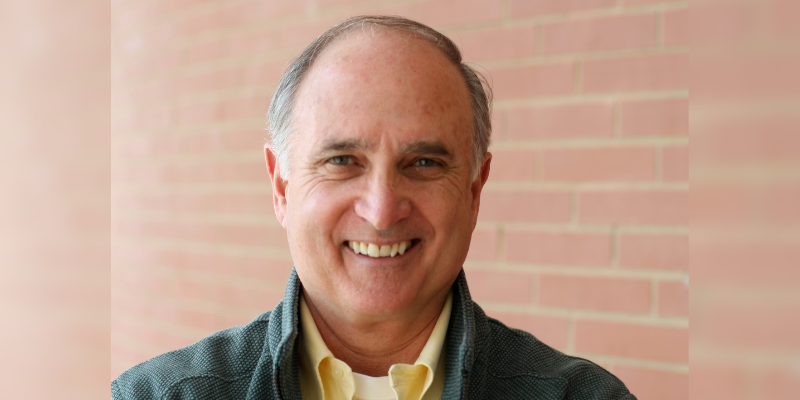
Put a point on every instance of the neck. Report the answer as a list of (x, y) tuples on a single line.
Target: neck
[(371, 347)]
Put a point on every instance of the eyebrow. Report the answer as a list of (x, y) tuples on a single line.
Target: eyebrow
[(426, 147), (335, 145), (415, 147)]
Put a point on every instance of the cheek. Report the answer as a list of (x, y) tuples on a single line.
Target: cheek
[(314, 214), (446, 209)]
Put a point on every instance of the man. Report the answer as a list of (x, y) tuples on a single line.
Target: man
[(377, 161)]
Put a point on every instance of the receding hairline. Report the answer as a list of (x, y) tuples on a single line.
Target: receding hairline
[(280, 114), (399, 33)]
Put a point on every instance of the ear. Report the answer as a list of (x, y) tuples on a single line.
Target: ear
[(477, 187), (278, 185)]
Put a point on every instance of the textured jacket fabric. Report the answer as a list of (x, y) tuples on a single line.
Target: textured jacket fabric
[(484, 360)]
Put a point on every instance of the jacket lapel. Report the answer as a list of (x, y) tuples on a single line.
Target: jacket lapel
[(277, 374)]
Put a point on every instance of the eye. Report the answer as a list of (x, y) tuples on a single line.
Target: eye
[(425, 162), (341, 160)]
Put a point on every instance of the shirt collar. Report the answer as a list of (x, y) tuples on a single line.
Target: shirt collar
[(466, 337), (405, 379)]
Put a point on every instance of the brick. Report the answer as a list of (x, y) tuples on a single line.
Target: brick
[(733, 261), (654, 207), (620, 164), (561, 122), (243, 108), (157, 117), (483, 245), (197, 113), (494, 44), (266, 74), (638, 2), (241, 296), (552, 331), (209, 81), (189, 144), (174, 314), (723, 204), (191, 290), (676, 27), (673, 299), (299, 35), (203, 52), (559, 248), (722, 382), (780, 19), (499, 124), (499, 286), (779, 202), (234, 203), (246, 267), (653, 384), (155, 91), (242, 235), (675, 164), (329, 3), (627, 340), (768, 141), (524, 8), (534, 81), (216, 173), (778, 383), (725, 23), (512, 166), (658, 252), (655, 118), (440, 13), (599, 34), (248, 139), (770, 326), (658, 72), (236, 14), (540, 206), (251, 43), (268, 270), (594, 293), (148, 335)]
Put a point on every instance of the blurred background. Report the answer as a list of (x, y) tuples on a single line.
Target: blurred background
[(583, 236), (583, 232)]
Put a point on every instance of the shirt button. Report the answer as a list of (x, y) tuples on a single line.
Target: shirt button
[(337, 373)]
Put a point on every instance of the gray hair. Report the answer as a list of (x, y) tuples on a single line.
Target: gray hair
[(280, 108)]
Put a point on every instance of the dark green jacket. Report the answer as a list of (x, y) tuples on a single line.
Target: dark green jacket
[(484, 360)]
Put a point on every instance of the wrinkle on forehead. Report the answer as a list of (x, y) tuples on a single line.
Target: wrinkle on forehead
[(368, 85), (393, 57)]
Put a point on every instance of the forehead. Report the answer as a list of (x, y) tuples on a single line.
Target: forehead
[(384, 83)]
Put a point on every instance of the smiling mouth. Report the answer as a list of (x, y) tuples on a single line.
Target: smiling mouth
[(376, 251)]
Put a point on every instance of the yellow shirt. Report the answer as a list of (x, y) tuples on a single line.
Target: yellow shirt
[(324, 377)]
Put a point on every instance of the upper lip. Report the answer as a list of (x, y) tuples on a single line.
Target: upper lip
[(379, 242)]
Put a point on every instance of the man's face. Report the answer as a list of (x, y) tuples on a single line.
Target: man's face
[(382, 140)]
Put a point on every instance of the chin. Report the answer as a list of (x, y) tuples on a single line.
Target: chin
[(380, 300)]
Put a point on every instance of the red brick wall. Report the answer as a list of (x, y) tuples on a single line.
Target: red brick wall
[(583, 232)]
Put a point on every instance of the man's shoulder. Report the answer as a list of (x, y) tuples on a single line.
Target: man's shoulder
[(223, 363), (516, 355)]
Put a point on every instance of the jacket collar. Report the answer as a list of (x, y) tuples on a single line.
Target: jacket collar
[(460, 344)]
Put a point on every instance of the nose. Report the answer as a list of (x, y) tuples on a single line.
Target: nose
[(382, 205)]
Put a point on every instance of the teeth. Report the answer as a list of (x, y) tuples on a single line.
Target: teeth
[(376, 251), (373, 250)]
